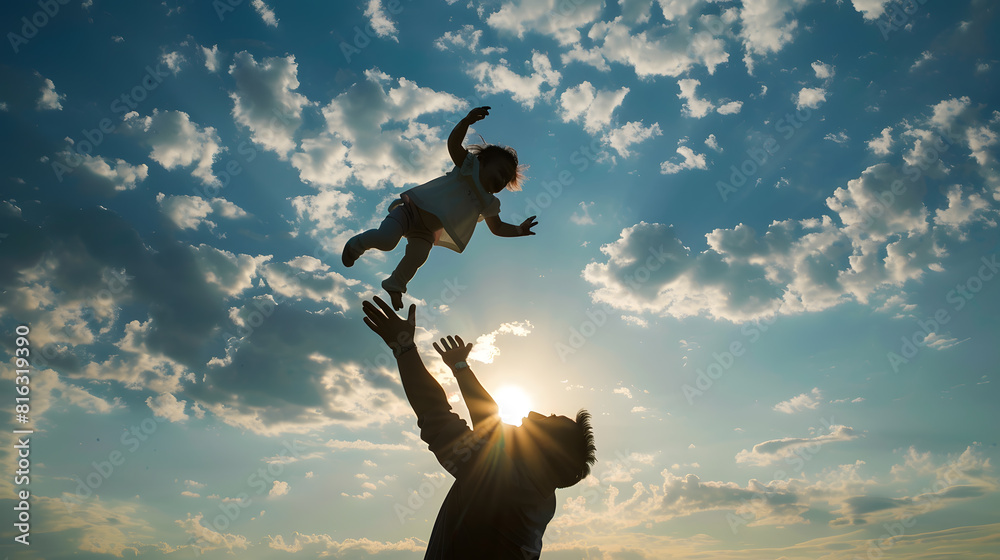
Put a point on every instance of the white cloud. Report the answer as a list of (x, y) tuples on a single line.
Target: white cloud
[(882, 144), (280, 488), (232, 273), (810, 97), (168, 407), (189, 212), (121, 176), (173, 61), (692, 160), (50, 99), (178, 142), (593, 107), (713, 143), (730, 108), (837, 137), (804, 401), (309, 278), (265, 12), (211, 58), (660, 51), (548, 17), (767, 26), (925, 57), (870, 9), (379, 20), (526, 89), (265, 100), (485, 350), (823, 71), (583, 218), (628, 134), (465, 39), (693, 107), (963, 210), (623, 391), (776, 450)]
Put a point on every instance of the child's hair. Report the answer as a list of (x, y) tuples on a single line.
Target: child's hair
[(491, 150)]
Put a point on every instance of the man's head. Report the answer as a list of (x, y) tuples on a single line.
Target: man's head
[(560, 446)]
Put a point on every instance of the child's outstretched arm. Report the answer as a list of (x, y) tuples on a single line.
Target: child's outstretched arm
[(455, 147), (501, 228)]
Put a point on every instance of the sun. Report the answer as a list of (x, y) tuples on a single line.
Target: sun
[(514, 404)]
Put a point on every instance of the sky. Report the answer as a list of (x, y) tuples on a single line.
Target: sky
[(765, 261)]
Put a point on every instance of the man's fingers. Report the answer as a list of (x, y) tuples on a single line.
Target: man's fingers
[(371, 325), (438, 348), (386, 308), (411, 316), (459, 340)]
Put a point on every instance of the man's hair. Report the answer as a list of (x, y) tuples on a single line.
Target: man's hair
[(578, 453), (494, 150)]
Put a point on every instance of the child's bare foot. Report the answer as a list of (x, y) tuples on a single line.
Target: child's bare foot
[(351, 252), (397, 299)]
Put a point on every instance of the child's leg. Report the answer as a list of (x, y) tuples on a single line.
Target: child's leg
[(418, 247), (385, 238)]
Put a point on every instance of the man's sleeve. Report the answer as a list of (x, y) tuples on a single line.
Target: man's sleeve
[(447, 435)]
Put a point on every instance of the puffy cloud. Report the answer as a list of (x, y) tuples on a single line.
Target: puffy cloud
[(656, 52), (810, 97), (50, 99), (173, 61), (692, 160), (870, 9), (206, 539), (593, 107), (178, 142), (526, 90), (767, 26), (650, 270), (549, 17), (365, 138), (485, 349), (713, 143), (962, 210), (265, 100), (823, 71), (882, 144), (628, 134), (307, 277), (108, 176), (379, 20), (190, 212), (693, 107), (265, 13), (730, 108), (211, 58), (167, 406), (280, 488), (775, 450), (231, 273), (465, 39), (325, 545), (804, 401)]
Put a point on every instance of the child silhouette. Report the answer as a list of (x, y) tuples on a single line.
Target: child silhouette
[(445, 211)]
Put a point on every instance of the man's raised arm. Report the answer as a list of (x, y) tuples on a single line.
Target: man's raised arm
[(446, 434), (482, 407)]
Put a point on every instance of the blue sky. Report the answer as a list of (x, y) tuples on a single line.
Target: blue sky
[(765, 262)]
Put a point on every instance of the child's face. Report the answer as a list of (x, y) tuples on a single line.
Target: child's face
[(495, 171)]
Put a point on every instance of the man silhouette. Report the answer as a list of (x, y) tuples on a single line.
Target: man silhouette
[(505, 476)]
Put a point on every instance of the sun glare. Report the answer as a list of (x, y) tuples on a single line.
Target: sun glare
[(514, 404)]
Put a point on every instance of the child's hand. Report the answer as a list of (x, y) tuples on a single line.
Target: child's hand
[(477, 114), (526, 225), (455, 350)]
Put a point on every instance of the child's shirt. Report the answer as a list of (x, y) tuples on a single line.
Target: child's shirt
[(458, 200)]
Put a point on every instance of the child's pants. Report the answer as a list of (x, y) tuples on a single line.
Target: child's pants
[(404, 220)]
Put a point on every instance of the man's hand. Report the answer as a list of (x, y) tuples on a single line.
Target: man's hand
[(526, 225), (394, 330), (477, 114), (455, 350)]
